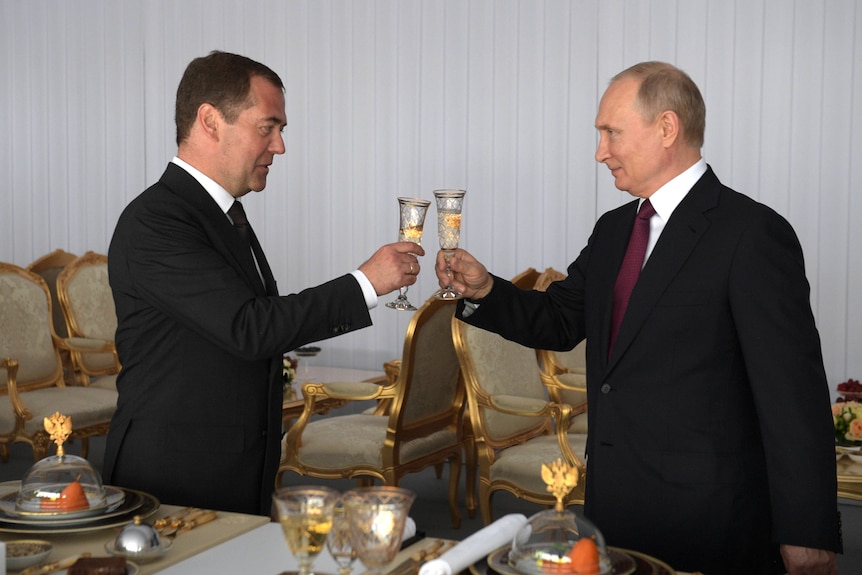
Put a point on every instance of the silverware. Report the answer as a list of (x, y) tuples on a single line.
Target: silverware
[(185, 519), (53, 566)]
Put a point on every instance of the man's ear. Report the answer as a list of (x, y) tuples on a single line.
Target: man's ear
[(209, 120), (670, 127)]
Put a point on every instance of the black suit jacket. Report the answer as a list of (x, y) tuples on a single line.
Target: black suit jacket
[(200, 338), (710, 436)]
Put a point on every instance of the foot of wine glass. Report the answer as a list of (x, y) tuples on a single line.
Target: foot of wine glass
[(401, 303)]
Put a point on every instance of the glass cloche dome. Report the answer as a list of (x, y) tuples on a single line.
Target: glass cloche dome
[(60, 484), (556, 541)]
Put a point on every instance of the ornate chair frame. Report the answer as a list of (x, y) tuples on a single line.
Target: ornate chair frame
[(31, 371), (515, 428), (421, 425)]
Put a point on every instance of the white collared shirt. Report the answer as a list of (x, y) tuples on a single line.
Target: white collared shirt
[(665, 200)]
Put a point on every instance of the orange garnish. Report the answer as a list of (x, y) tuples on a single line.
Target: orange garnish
[(585, 557)]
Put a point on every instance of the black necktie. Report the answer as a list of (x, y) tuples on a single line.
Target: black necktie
[(240, 222), (631, 268)]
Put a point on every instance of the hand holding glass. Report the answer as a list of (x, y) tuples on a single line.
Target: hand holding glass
[(449, 204), (412, 211), (305, 514)]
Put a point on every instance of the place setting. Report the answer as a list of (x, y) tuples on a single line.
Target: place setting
[(63, 493)]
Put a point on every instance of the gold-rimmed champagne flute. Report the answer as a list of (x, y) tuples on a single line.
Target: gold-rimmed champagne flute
[(412, 219), (449, 203), (305, 514)]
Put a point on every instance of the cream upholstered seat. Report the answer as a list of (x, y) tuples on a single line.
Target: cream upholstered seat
[(422, 425), (91, 319), (49, 267), (31, 374), (565, 372), (515, 427)]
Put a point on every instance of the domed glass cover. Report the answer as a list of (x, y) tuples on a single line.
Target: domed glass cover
[(544, 545), (48, 486), (60, 484)]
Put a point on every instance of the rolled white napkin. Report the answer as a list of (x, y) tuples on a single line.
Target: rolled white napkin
[(409, 529), (475, 547)]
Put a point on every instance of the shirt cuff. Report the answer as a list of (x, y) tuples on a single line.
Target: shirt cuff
[(469, 308), (367, 289)]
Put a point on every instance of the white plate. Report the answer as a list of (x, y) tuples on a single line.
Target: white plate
[(114, 497)]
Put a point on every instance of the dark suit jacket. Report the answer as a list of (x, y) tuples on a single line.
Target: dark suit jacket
[(710, 436), (200, 338)]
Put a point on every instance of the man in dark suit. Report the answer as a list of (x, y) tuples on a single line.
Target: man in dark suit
[(202, 328), (710, 439)]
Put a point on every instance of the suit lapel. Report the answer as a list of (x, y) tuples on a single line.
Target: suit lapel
[(225, 237), (676, 243)]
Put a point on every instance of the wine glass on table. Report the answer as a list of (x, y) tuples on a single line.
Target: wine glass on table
[(305, 514), (376, 516), (338, 542), (306, 353), (412, 212), (449, 204)]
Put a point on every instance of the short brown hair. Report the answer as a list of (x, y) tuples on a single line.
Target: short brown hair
[(666, 87), (221, 79)]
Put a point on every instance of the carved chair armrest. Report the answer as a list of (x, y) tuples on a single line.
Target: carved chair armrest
[(10, 366), (87, 345), (562, 414), (516, 405)]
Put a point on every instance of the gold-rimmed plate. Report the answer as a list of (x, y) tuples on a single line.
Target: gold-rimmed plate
[(136, 503), (9, 511), (622, 563)]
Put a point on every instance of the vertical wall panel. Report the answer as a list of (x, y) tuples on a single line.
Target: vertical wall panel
[(389, 97)]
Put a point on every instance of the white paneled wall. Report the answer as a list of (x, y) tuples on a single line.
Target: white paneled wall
[(400, 97)]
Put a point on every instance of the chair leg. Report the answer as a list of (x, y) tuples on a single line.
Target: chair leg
[(471, 463), (454, 481), (485, 503), (85, 447), (4, 452)]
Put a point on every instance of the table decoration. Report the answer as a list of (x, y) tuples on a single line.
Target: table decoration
[(847, 419), (288, 375)]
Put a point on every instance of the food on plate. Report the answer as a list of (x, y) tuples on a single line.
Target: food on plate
[(99, 566), (72, 498), (585, 557)]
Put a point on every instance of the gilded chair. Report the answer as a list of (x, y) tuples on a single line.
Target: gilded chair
[(91, 319), (516, 429), (564, 373), (422, 426), (49, 267), (31, 371), (526, 279)]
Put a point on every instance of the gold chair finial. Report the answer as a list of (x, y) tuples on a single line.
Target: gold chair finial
[(59, 427), (560, 478)]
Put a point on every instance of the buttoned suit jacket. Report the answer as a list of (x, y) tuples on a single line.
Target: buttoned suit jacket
[(200, 339), (710, 438)]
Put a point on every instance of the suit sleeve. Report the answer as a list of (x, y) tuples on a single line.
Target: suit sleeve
[(169, 261), (769, 297)]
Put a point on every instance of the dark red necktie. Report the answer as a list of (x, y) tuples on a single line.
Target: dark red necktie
[(631, 268)]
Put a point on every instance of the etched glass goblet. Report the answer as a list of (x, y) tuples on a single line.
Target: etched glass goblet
[(412, 220), (376, 516), (305, 514), (338, 542), (449, 204)]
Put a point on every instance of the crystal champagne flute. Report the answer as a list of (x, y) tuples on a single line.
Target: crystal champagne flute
[(449, 204), (412, 212)]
